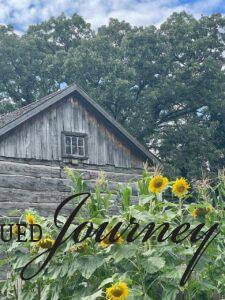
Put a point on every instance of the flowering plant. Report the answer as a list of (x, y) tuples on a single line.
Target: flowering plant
[(122, 270)]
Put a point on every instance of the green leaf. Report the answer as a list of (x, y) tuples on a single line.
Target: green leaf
[(86, 265), (153, 264), (170, 293), (93, 296), (124, 252), (106, 281)]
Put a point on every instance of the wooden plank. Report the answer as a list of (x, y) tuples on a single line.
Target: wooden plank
[(41, 138), (54, 134), (25, 196), (34, 184), (49, 184), (12, 168), (7, 208), (37, 110), (11, 195), (112, 176)]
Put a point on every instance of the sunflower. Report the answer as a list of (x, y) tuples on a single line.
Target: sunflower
[(46, 243), (194, 213), (180, 187), (15, 229), (209, 208), (80, 248), (30, 219), (106, 243), (202, 211), (118, 291), (158, 183)]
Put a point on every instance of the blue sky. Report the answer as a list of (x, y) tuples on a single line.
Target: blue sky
[(22, 13)]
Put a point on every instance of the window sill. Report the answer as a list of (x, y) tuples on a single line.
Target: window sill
[(75, 157)]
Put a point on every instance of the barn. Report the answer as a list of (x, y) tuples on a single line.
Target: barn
[(66, 128)]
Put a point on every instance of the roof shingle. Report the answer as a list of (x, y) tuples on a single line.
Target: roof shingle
[(9, 117)]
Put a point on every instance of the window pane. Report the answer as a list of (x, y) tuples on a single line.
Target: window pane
[(74, 149), (80, 141), (81, 151), (74, 141), (68, 140), (68, 149)]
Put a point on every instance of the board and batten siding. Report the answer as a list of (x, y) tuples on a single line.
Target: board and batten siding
[(40, 137)]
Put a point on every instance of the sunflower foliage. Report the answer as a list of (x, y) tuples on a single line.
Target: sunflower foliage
[(137, 270)]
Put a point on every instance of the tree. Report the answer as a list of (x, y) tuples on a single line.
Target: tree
[(100, 67), (31, 65), (166, 84), (194, 90), (161, 84)]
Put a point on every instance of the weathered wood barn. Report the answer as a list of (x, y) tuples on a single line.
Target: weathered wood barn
[(66, 127)]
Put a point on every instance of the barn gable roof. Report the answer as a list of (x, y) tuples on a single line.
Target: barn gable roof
[(11, 120)]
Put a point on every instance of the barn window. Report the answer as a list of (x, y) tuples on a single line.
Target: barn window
[(74, 144)]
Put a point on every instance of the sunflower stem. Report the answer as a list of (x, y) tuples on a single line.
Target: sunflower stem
[(180, 206)]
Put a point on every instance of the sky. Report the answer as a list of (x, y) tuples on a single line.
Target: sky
[(22, 13)]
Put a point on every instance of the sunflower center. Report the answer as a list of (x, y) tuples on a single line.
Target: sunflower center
[(117, 292), (158, 183), (180, 188)]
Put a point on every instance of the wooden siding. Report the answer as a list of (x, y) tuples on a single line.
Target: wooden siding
[(40, 137)]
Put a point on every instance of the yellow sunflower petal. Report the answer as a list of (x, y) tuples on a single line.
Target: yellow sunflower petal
[(209, 208), (46, 243), (118, 291), (180, 187), (194, 213), (15, 229), (30, 219), (158, 183), (106, 243)]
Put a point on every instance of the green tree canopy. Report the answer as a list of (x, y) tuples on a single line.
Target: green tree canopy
[(166, 84)]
